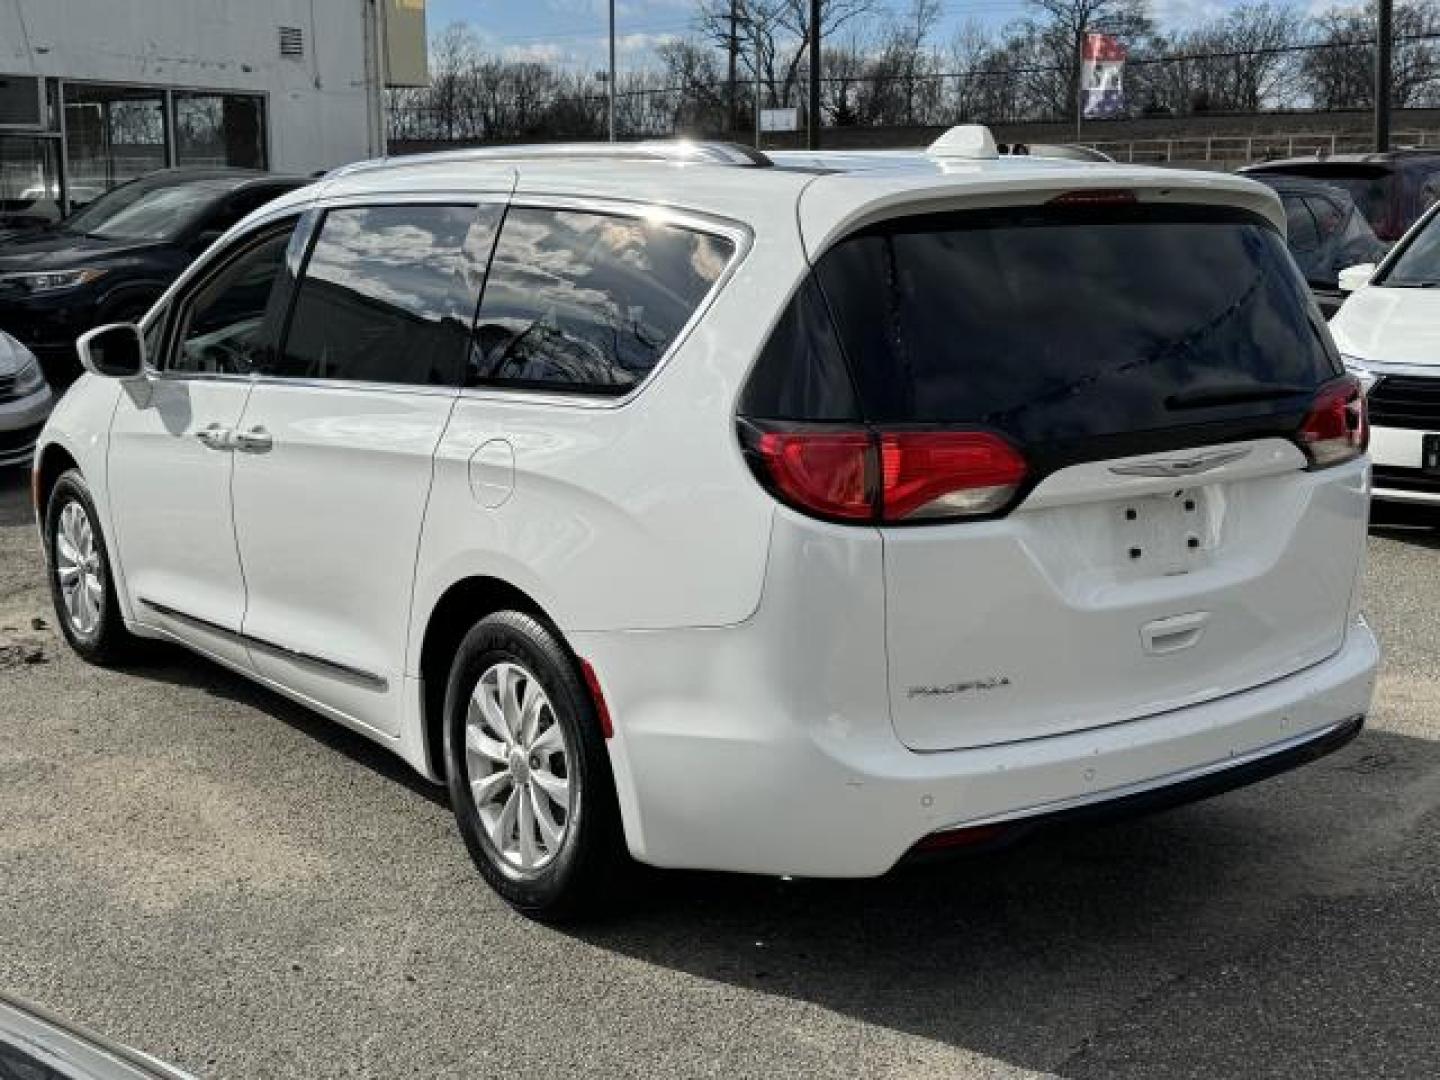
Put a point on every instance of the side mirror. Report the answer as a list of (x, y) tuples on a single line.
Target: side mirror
[(1356, 277), (116, 351)]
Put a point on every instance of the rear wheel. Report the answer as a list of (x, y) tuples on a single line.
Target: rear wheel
[(528, 771), (81, 583)]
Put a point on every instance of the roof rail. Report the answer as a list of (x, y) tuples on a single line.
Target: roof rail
[(674, 150)]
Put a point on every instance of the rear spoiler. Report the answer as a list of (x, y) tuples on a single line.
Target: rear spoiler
[(836, 205)]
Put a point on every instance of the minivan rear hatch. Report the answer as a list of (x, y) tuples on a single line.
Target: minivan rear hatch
[(1158, 368)]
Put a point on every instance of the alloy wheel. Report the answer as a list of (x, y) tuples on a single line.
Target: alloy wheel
[(77, 566), (519, 766)]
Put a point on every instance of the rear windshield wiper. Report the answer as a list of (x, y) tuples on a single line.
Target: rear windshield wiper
[(1204, 397)]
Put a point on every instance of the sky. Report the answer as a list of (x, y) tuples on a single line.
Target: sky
[(573, 32)]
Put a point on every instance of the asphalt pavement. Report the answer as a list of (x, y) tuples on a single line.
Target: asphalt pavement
[(196, 867)]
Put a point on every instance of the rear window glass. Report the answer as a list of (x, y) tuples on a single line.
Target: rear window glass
[(1060, 323), (588, 302), (1374, 190)]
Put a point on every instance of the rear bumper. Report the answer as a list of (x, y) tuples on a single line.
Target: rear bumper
[(709, 784)]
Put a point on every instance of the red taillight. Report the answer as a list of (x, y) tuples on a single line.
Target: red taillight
[(1337, 427), (889, 476), (826, 472), (930, 474)]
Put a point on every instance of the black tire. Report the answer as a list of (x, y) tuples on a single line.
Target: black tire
[(107, 642), (589, 863)]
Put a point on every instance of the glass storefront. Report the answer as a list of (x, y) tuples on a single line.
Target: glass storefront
[(110, 134), (29, 181)]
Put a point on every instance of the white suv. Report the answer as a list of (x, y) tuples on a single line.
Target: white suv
[(781, 517)]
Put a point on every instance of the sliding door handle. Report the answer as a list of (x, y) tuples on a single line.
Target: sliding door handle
[(216, 437), (255, 441)]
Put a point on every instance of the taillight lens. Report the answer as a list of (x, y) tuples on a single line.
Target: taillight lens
[(938, 474), (1337, 428), (830, 473), (886, 477)]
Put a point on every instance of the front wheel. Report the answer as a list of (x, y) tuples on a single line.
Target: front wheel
[(81, 583), (529, 774)]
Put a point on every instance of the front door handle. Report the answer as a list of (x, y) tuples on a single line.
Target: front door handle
[(215, 437), (255, 441)]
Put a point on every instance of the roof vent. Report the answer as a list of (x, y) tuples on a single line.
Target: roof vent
[(970, 141), (292, 42)]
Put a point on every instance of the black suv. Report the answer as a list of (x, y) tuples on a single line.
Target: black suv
[(110, 261), (1326, 233), (1392, 189)]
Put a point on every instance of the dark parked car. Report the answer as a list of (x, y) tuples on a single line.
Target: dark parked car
[(110, 261), (37, 1045), (1326, 233), (1391, 189)]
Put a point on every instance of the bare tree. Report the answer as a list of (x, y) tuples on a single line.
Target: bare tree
[(1339, 74)]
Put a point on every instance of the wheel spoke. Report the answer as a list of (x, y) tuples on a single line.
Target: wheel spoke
[(507, 678), (549, 741), (66, 547), (477, 742), (67, 575), (486, 789), (531, 706), (504, 825), (490, 709), (549, 830), (554, 786), (529, 850)]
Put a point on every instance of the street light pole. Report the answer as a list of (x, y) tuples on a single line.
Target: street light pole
[(610, 85), (1383, 39)]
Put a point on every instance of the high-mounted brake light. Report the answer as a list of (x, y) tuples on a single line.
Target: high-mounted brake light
[(1099, 197), (1337, 428), (885, 477)]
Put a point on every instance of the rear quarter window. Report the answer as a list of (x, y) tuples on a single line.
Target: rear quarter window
[(587, 302)]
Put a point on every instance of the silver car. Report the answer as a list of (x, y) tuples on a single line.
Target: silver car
[(25, 401)]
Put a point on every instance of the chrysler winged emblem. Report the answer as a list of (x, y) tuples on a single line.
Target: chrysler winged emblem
[(1185, 466)]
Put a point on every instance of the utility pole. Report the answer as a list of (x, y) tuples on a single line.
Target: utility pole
[(759, 59), (732, 118), (1384, 36), (610, 85), (814, 109), (1079, 81)]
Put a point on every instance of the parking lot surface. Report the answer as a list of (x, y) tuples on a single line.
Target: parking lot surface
[(194, 866)]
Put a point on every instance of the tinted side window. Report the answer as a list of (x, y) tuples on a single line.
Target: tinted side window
[(801, 373), (1300, 232), (230, 326), (1327, 217), (588, 302), (384, 297)]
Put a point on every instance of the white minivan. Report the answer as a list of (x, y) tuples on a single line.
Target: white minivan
[(790, 516)]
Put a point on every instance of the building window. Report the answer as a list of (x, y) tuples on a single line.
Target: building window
[(219, 129), (29, 181), (112, 134)]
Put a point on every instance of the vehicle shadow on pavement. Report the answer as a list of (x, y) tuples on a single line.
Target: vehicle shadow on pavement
[(1292, 929), (178, 666)]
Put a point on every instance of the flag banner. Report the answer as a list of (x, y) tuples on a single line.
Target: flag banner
[(1102, 87)]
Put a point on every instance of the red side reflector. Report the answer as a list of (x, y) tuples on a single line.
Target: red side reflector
[(1101, 197), (975, 836), (824, 472), (1337, 427), (602, 710)]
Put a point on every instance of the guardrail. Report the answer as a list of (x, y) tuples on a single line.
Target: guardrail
[(1229, 151)]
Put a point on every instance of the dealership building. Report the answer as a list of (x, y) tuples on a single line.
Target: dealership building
[(97, 92)]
